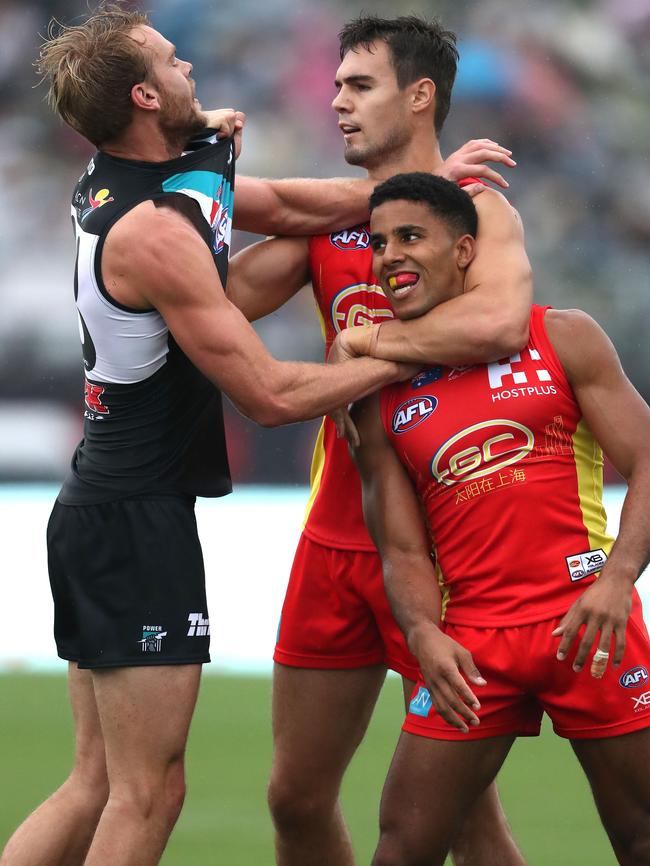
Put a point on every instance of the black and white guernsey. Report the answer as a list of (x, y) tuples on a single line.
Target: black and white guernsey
[(153, 424)]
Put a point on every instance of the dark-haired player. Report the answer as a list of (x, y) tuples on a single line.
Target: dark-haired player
[(337, 635), (504, 459)]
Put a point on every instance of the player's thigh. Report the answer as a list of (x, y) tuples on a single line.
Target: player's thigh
[(319, 719), (145, 715), (617, 769), (431, 785), (89, 739)]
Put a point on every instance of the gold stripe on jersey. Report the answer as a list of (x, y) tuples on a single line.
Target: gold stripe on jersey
[(588, 458), (316, 472), (318, 457)]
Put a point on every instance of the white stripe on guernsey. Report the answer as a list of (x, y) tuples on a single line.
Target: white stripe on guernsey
[(205, 202)]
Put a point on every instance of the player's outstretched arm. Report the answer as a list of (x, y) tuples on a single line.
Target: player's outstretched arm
[(263, 276), (308, 206), (487, 322), (619, 419), (169, 267), (299, 206), (394, 518)]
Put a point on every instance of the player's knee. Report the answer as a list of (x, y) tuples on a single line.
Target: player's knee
[(158, 794), (294, 806)]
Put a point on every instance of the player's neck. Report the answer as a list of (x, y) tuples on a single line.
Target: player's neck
[(420, 154), (143, 145)]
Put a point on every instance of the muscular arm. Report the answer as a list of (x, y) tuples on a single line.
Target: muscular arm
[(619, 419), (299, 206), (396, 523), (170, 268), (262, 277), (305, 206), (487, 322)]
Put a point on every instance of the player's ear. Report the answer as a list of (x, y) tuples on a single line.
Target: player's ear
[(145, 96), (423, 93), (465, 250)]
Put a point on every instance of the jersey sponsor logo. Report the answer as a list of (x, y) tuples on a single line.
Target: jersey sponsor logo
[(96, 201), (480, 450), (221, 221), (360, 304), (351, 239), (641, 703), (582, 564), (426, 377), (152, 636), (634, 678), (421, 704), (412, 412), (199, 625), (92, 398), (502, 375)]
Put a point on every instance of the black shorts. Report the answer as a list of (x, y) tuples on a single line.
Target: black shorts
[(128, 583)]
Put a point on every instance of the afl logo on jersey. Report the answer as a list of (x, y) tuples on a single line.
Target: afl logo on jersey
[(412, 412), (480, 450), (359, 305), (634, 678), (351, 239)]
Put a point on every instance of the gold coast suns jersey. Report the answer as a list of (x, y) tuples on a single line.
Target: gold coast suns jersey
[(511, 481), (346, 294)]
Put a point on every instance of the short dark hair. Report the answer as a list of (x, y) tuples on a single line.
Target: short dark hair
[(445, 200), (418, 49)]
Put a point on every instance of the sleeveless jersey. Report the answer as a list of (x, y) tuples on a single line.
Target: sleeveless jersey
[(510, 478), (153, 424), (346, 294)]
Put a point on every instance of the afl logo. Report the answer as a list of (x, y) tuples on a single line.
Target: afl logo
[(413, 412), (351, 239), (480, 450), (634, 678), (359, 305)]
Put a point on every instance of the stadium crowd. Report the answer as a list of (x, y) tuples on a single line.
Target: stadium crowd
[(563, 84)]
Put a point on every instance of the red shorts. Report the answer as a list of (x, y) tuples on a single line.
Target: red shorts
[(524, 680), (336, 614)]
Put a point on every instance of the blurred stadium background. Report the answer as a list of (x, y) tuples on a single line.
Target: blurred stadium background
[(564, 85)]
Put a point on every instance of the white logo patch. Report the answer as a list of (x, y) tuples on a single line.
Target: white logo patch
[(582, 564)]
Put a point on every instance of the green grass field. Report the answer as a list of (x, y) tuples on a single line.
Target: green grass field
[(225, 822)]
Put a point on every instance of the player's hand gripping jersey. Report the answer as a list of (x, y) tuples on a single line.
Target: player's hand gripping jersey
[(511, 479)]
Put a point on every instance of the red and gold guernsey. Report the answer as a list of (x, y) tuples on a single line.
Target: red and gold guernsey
[(346, 294), (511, 481)]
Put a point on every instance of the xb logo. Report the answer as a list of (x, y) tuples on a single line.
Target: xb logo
[(480, 450)]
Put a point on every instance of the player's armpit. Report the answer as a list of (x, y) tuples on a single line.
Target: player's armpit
[(619, 419), (264, 276), (299, 206), (173, 270), (487, 322)]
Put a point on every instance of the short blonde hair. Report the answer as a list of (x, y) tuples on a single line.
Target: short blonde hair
[(91, 68)]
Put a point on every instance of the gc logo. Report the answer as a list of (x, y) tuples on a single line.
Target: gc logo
[(480, 450), (359, 305)]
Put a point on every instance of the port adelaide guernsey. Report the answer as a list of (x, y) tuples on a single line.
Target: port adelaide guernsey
[(153, 423)]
